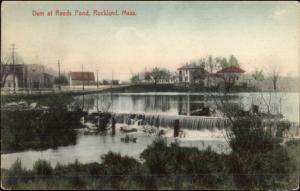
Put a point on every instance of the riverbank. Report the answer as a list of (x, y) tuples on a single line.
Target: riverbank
[(134, 88), (137, 88), (163, 167), (172, 88), (43, 95), (38, 125)]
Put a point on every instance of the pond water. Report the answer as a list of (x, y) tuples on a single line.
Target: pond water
[(171, 103), (89, 148)]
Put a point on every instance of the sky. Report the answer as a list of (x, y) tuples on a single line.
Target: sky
[(262, 35)]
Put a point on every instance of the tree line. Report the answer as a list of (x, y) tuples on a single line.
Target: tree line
[(206, 66)]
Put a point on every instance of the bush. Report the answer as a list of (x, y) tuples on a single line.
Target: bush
[(42, 168), (14, 176), (258, 160), (118, 168)]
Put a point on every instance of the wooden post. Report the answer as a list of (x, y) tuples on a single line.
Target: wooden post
[(85, 118), (176, 128), (113, 126)]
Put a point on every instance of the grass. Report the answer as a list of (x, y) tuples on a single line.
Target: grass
[(293, 149), (163, 167)]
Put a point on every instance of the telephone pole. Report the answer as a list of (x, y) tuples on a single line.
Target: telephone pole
[(59, 86), (13, 66), (82, 87), (112, 78), (97, 79), (82, 77), (111, 84)]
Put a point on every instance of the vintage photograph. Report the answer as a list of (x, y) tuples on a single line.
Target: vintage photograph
[(183, 95)]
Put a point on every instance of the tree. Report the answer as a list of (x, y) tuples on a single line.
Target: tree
[(159, 74), (275, 77), (135, 79), (198, 75), (147, 76), (224, 63), (257, 160), (211, 66), (233, 61), (258, 76), (62, 80)]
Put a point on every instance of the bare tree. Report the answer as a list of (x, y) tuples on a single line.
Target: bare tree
[(275, 77), (258, 76)]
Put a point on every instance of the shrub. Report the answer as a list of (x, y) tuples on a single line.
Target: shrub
[(258, 160), (117, 168), (42, 168)]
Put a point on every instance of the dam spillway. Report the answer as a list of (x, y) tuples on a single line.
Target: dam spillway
[(161, 120)]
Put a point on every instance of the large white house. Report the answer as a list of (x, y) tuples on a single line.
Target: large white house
[(185, 72)]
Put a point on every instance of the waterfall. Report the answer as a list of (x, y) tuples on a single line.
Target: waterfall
[(186, 122), (160, 120)]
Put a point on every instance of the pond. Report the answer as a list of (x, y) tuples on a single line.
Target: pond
[(89, 148), (170, 103)]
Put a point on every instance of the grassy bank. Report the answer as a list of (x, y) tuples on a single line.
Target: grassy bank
[(163, 167), (42, 96), (174, 88), (134, 88)]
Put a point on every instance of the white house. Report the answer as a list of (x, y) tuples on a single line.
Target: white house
[(185, 72)]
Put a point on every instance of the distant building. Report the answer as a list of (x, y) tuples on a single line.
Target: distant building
[(77, 78), (231, 75), (186, 72), (26, 76), (111, 82), (168, 79), (39, 76)]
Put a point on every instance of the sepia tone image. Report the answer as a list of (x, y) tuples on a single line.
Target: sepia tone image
[(150, 95)]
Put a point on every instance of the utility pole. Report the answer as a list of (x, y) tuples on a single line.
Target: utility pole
[(13, 66), (112, 79), (82, 77), (111, 84), (59, 86), (82, 86), (97, 80)]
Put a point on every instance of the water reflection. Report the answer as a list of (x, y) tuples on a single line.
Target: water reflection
[(178, 105), (183, 104)]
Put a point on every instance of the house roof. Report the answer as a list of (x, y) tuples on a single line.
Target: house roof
[(82, 76), (231, 69)]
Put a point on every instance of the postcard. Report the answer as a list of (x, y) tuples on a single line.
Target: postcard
[(103, 95)]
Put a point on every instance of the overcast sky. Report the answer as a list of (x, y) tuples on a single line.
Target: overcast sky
[(164, 34)]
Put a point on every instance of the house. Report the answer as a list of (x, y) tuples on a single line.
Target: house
[(39, 76), (187, 71), (168, 79), (26, 76), (232, 75), (78, 78)]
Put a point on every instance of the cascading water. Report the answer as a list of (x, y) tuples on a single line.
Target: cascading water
[(159, 120)]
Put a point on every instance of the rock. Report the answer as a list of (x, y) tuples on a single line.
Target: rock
[(128, 129), (33, 105), (128, 139), (12, 104), (22, 103)]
